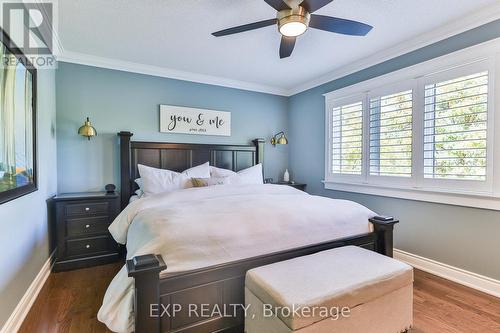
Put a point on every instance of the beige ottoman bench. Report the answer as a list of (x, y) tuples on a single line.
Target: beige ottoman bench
[(348, 289)]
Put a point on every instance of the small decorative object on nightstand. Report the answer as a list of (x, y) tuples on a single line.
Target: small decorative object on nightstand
[(298, 186), (82, 236), (286, 176), (110, 188)]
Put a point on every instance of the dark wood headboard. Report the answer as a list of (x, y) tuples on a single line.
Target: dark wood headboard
[(179, 157)]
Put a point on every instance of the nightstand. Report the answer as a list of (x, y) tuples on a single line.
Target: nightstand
[(81, 229), (298, 186)]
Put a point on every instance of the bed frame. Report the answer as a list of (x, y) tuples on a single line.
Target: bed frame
[(217, 287)]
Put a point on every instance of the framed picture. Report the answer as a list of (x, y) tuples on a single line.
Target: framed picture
[(17, 123), (184, 120)]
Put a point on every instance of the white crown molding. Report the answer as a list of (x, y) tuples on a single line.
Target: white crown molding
[(472, 280), (127, 66), (471, 21), (20, 312)]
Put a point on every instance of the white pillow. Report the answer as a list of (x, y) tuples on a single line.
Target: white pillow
[(220, 173), (199, 171), (139, 183), (161, 180), (252, 175)]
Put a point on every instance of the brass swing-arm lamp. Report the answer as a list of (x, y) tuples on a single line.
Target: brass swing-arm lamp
[(281, 140)]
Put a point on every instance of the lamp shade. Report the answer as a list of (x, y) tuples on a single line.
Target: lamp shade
[(87, 129), (279, 139), (282, 140)]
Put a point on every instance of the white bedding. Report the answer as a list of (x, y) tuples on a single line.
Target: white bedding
[(201, 227)]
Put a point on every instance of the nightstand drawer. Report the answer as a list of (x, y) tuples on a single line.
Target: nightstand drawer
[(83, 247), (87, 209), (87, 226)]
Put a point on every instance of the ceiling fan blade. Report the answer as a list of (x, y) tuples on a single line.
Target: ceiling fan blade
[(277, 4), (286, 46), (245, 27), (313, 5), (339, 25)]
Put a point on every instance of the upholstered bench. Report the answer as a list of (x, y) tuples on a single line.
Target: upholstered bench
[(344, 290)]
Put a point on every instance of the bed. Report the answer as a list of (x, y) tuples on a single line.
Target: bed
[(209, 273)]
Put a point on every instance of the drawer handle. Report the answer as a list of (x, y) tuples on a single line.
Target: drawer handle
[(87, 246), (87, 226), (87, 209)]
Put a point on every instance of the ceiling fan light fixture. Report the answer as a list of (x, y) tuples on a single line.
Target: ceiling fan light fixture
[(293, 22), (293, 29)]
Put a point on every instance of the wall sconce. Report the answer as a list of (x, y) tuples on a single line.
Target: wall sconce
[(282, 140), (87, 129)]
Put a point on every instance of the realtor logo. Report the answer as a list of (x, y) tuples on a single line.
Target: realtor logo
[(30, 26)]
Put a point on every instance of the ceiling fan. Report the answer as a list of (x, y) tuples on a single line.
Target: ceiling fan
[(293, 19)]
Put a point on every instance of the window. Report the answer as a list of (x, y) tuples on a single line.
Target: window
[(455, 129), (430, 131), (391, 134), (347, 139)]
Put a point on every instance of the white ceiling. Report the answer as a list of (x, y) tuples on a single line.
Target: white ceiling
[(175, 35)]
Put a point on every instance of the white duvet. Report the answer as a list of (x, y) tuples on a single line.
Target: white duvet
[(201, 227)]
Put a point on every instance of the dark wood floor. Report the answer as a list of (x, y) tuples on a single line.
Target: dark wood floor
[(70, 300)]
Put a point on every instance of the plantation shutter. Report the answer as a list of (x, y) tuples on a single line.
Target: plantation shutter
[(347, 139), (455, 128), (391, 119)]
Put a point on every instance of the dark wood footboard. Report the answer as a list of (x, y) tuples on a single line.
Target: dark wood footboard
[(211, 299)]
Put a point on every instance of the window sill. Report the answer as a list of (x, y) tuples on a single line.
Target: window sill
[(484, 201)]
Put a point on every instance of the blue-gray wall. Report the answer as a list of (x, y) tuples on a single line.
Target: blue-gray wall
[(463, 237), (116, 100), (24, 242)]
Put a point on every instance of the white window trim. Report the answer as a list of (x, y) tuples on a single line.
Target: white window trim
[(487, 195)]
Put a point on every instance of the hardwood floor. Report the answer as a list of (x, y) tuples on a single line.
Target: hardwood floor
[(69, 302), (444, 306)]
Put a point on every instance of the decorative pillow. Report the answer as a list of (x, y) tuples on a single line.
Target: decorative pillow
[(202, 182), (161, 180)]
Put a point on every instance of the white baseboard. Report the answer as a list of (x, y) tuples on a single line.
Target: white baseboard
[(455, 274), (23, 307)]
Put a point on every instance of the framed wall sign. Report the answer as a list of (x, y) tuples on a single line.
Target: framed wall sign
[(178, 119)]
